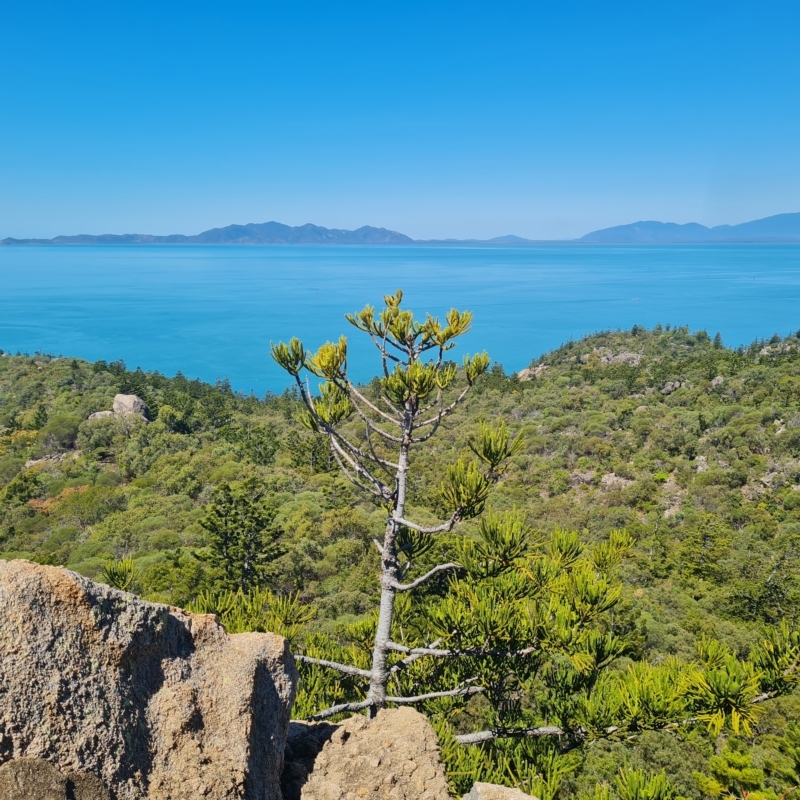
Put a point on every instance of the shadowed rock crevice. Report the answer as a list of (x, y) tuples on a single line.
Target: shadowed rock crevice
[(303, 744), (394, 756)]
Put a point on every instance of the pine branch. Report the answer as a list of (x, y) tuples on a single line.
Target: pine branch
[(442, 414), (445, 526), (372, 406), (389, 339), (410, 659), (387, 465), (372, 426), (354, 480), (361, 470), (405, 587), (761, 698), (343, 708), (431, 405), (384, 351), (487, 736), (419, 651), (359, 453), (347, 670), (459, 691), (432, 651), (382, 347)]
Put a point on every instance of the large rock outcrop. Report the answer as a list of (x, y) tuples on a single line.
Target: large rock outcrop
[(125, 404), (392, 757), (155, 703)]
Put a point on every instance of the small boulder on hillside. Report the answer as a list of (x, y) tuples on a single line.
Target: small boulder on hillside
[(578, 478), (606, 356), (491, 791), (631, 359), (718, 381), (100, 415), (529, 373), (125, 404), (615, 482)]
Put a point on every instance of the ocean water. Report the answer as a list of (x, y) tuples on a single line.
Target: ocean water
[(211, 311)]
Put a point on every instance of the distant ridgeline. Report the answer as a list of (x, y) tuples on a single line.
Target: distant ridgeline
[(779, 228), (252, 233)]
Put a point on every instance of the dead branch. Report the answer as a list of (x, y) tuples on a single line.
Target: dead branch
[(487, 736), (347, 670), (343, 708)]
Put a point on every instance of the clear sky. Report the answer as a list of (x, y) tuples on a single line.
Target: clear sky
[(437, 119)]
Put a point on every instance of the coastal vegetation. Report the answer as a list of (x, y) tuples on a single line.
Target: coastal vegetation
[(619, 610)]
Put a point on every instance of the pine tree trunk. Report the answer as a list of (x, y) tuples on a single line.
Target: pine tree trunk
[(389, 575)]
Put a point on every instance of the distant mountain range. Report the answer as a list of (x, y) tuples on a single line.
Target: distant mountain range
[(263, 233), (779, 228)]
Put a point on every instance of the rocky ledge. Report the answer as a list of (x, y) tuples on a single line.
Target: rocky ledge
[(106, 697)]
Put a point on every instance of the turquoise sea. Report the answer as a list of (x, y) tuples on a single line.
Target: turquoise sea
[(211, 311)]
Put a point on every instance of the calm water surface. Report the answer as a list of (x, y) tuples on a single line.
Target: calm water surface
[(211, 311)]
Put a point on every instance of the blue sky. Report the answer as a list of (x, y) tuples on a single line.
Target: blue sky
[(437, 119)]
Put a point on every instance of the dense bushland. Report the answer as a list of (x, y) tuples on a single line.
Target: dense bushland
[(689, 447)]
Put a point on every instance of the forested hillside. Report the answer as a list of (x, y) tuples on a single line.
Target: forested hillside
[(689, 447)]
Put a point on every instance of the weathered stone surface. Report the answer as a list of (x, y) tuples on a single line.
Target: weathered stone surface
[(100, 415), (615, 482), (85, 786), (37, 779), (392, 757), (632, 359), (31, 779), (579, 478), (605, 356), (53, 458), (158, 703), (671, 386), (531, 373), (491, 791), (130, 404), (718, 381)]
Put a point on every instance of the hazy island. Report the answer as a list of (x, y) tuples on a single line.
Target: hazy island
[(776, 229)]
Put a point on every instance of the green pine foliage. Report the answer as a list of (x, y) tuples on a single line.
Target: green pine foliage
[(645, 535), (241, 534)]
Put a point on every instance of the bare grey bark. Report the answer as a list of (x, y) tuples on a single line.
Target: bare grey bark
[(342, 708), (345, 668), (389, 572), (486, 736)]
